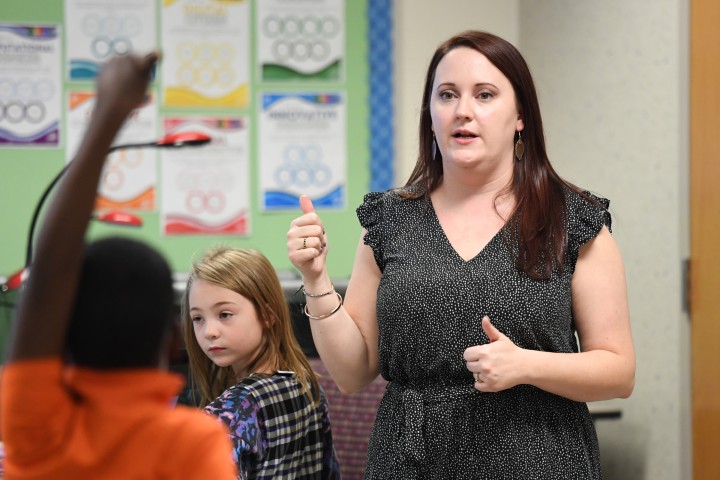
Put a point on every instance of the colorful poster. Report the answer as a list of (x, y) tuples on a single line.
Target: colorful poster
[(206, 189), (97, 30), (207, 59), (302, 150), (129, 176), (300, 40), (30, 86)]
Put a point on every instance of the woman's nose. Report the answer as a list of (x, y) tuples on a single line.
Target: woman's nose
[(464, 108)]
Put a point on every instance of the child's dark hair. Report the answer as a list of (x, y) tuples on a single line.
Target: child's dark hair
[(124, 308)]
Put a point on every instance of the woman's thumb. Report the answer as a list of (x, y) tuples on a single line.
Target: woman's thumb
[(493, 333), (306, 204)]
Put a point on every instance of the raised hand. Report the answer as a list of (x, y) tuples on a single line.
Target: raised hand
[(307, 242), (45, 310), (123, 81)]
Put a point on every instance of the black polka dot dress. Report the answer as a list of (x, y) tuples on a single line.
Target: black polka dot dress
[(432, 423)]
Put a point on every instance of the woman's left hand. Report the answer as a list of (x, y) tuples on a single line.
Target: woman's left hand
[(496, 365)]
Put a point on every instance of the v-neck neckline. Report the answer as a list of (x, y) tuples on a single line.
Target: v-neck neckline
[(449, 244)]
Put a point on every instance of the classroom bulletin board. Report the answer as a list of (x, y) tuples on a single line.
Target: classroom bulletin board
[(286, 89)]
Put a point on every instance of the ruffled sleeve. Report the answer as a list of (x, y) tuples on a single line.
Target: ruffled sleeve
[(370, 214), (585, 217)]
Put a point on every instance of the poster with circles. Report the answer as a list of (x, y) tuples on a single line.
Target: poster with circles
[(30, 86), (205, 191), (129, 176), (300, 40), (302, 150), (97, 30), (207, 53)]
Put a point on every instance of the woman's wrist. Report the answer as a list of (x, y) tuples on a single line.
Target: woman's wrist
[(316, 287), (317, 294), (325, 315)]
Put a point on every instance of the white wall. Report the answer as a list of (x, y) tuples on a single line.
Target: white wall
[(612, 78)]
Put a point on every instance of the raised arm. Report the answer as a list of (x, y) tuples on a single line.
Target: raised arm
[(43, 313), (347, 340)]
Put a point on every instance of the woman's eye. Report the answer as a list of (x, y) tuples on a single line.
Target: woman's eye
[(196, 319), (485, 95), (445, 95), (225, 315)]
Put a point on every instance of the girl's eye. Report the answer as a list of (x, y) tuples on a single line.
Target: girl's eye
[(225, 315), (196, 319)]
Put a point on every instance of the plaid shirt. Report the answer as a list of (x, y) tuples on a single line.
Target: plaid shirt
[(277, 432)]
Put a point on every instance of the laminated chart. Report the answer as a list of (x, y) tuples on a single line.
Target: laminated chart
[(303, 150), (129, 176), (97, 30), (30, 86), (300, 40), (206, 190), (206, 45)]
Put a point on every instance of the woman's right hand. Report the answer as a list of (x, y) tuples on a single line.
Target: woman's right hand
[(307, 242)]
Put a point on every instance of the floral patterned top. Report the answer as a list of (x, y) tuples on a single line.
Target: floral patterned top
[(276, 430)]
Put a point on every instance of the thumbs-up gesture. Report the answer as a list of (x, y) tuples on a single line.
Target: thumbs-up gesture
[(496, 365), (307, 242)]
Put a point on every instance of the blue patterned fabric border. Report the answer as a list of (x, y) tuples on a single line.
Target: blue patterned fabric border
[(380, 59)]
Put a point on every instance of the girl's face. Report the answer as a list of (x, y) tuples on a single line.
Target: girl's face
[(473, 110), (226, 325)]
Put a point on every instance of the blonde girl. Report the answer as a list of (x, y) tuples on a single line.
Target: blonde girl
[(249, 371)]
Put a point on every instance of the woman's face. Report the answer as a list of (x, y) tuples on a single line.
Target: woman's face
[(226, 326), (474, 112)]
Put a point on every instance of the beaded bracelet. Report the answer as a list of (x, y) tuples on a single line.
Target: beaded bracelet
[(316, 295), (320, 317)]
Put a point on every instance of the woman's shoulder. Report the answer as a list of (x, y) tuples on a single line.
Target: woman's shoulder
[(377, 205), (587, 214), (381, 199), (581, 199), (583, 206)]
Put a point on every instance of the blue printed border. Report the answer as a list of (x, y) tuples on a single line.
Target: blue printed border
[(380, 59)]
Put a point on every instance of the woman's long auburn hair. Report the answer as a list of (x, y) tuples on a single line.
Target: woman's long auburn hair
[(250, 274), (538, 220)]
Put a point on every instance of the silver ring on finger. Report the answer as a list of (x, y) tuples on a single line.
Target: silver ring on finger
[(477, 377)]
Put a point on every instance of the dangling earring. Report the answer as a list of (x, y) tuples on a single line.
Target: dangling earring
[(434, 146), (519, 147)]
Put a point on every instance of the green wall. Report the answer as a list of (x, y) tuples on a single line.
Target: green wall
[(25, 172)]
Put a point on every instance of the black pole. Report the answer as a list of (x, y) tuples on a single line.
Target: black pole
[(46, 193), (36, 214)]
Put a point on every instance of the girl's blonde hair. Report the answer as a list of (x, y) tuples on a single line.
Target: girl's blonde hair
[(250, 274)]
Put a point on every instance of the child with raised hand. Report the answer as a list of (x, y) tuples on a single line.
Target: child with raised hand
[(250, 370), (85, 389)]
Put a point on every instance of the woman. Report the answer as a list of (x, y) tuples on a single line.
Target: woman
[(470, 286)]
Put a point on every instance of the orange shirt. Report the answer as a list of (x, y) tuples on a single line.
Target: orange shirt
[(73, 423)]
